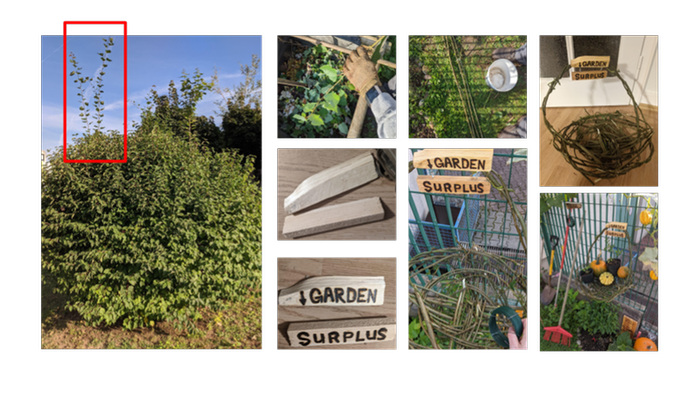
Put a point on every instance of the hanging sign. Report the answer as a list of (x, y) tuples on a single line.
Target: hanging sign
[(454, 159), (616, 229), (590, 62), (617, 226), (335, 291), (453, 184), (615, 233), (588, 75)]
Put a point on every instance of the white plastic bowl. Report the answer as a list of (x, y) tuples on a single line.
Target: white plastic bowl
[(502, 75)]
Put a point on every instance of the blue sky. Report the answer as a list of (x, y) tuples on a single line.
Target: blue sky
[(152, 60)]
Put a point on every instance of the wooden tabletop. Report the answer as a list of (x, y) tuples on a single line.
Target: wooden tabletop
[(291, 271), (295, 165)]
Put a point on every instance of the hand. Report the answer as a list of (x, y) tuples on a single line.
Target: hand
[(361, 71), (513, 339)]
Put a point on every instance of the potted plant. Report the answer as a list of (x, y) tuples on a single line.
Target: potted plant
[(587, 275), (614, 265)]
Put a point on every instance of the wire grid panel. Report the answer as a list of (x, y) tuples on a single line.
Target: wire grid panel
[(597, 210), (447, 72), (484, 221)]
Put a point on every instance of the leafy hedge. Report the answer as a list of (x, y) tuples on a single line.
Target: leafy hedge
[(175, 228)]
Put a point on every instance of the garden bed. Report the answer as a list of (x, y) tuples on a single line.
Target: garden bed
[(594, 325)]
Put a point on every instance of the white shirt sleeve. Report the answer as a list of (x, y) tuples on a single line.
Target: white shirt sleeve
[(384, 110)]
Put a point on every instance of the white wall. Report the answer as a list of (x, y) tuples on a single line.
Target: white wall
[(418, 199), (651, 82)]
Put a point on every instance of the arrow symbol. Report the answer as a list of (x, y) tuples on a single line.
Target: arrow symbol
[(430, 165), (302, 299)]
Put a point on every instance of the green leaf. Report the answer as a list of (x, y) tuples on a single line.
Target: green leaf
[(316, 120), (320, 49), (343, 128), (376, 53), (332, 99), (299, 118), (308, 107), (330, 72)]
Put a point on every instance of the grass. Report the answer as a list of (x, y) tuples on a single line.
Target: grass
[(238, 326), (436, 109)]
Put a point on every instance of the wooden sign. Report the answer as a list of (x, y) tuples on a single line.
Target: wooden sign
[(454, 184), (341, 332), (573, 205), (335, 291), (454, 159), (331, 182), (588, 75), (629, 325), (617, 226), (591, 62), (333, 217), (615, 233)]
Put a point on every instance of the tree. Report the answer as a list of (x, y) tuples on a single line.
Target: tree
[(240, 109), (176, 112), (174, 229), (242, 130), (247, 93)]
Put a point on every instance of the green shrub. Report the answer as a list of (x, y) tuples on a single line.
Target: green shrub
[(599, 318), (175, 228)]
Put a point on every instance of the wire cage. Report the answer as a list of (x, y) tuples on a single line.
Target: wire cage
[(449, 93), (638, 292), (468, 256)]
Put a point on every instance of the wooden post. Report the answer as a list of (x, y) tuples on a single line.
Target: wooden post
[(333, 217), (341, 49)]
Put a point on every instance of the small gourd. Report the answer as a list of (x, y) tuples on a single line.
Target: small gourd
[(598, 267), (623, 272), (652, 275), (606, 278)]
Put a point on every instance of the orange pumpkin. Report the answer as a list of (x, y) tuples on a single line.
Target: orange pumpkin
[(652, 275), (645, 345), (623, 272), (598, 267)]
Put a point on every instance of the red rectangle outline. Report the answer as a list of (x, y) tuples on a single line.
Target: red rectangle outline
[(65, 100)]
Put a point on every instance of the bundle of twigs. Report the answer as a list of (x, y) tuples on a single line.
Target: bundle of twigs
[(456, 289), (603, 145), (453, 53)]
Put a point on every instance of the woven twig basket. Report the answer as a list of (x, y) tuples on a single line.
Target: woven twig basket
[(603, 145), (456, 289), (597, 290)]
